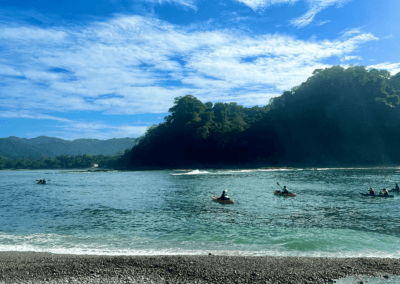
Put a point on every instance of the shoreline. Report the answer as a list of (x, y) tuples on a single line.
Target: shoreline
[(214, 167), (38, 267)]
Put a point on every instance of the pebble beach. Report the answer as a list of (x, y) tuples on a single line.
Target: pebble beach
[(31, 267)]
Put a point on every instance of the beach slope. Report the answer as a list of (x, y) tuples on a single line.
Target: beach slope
[(31, 267)]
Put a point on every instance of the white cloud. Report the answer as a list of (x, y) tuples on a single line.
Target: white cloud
[(322, 23), (351, 32), (262, 4), (393, 68), (136, 65), (314, 7), (99, 130), (74, 129), (389, 37), (31, 34), (349, 57), (31, 115), (185, 3)]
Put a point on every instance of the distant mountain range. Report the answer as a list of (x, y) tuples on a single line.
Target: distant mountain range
[(14, 147)]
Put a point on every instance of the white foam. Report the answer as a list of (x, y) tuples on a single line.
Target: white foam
[(195, 172), (278, 170), (113, 245), (178, 251), (242, 171)]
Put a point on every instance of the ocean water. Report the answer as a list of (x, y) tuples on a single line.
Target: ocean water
[(171, 212)]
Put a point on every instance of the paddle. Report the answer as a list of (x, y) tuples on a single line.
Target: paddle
[(279, 185)]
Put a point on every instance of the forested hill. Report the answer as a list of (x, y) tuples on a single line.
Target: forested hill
[(339, 116), (14, 147)]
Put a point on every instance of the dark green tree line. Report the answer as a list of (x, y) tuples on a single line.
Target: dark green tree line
[(119, 160), (339, 115)]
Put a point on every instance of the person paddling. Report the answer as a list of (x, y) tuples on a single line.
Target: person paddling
[(371, 191), (224, 195), (396, 187), (285, 190), (384, 191)]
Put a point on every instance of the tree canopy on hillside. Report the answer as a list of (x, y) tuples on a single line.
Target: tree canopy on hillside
[(339, 115)]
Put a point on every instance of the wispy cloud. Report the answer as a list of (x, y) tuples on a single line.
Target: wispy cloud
[(322, 23), (99, 130), (31, 115), (393, 68), (351, 32), (389, 37), (262, 4), (349, 57), (133, 65), (314, 7), (74, 129), (185, 3)]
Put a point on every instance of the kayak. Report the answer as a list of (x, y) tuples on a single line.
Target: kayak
[(376, 195), (228, 201), (290, 194)]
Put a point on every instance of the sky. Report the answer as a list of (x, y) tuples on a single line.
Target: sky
[(111, 68)]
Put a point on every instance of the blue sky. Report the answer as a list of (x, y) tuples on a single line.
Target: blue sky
[(110, 68)]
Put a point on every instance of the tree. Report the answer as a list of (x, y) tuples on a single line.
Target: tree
[(338, 115), (186, 109)]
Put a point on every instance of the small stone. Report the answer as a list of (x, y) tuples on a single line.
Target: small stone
[(386, 277)]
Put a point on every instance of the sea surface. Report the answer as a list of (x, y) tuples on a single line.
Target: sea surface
[(171, 212)]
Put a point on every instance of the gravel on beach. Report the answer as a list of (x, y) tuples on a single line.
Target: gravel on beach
[(33, 267)]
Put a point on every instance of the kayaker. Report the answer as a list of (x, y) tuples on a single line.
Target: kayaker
[(224, 195), (385, 192), (396, 187), (285, 190), (371, 191)]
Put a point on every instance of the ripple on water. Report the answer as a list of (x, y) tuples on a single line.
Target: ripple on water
[(172, 210)]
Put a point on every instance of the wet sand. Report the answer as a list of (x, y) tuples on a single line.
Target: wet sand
[(31, 267)]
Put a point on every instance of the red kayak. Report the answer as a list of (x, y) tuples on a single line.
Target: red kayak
[(290, 194), (228, 201)]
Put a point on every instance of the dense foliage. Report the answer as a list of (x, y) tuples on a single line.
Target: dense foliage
[(338, 116)]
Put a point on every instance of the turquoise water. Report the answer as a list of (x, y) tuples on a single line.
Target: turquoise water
[(171, 212)]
